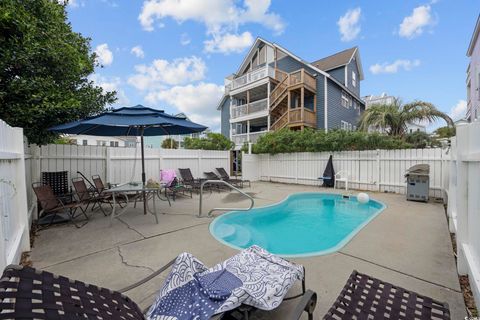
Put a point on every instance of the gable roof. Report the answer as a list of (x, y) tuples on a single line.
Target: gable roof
[(473, 41), (259, 40), (340, 59)]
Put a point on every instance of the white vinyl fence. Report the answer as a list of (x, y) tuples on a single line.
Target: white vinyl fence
[(376, 170), (14, 215), (464, 202), (117, 165)]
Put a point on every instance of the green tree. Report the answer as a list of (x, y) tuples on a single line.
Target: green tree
[(445, 132), (213, 141), (169, 143), (393, 118), (44, 69)]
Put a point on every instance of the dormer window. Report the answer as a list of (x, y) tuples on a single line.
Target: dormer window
[(354, 79)]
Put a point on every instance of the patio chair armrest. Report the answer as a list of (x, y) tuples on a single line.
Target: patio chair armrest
[(148, 278), (306, 304)]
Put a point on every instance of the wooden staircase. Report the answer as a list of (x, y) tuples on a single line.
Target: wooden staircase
[(282, 116)]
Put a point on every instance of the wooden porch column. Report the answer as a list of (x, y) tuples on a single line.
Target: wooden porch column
[(302, 103), (248, 100), (268, 106), (289, 102)]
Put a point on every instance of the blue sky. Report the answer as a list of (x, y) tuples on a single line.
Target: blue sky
[(174, 54)]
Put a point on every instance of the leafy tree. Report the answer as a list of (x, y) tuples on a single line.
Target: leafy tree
[(419, 139), (445, 132), (393, 118), (169, 143), (44, 69), (212, 141), (64, 140)]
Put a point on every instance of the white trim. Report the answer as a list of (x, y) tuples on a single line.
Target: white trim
[(325, 107), (251, 116), (358, 61), (346, 75), (473, 40)]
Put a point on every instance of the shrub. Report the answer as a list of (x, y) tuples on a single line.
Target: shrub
[(213, 141), (308, 140), (169, 143)]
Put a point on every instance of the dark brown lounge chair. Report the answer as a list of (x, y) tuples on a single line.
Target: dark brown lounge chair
[(212, 176), (365, 297), (189, 180), (234, 181), (27, 293), (88, 197), (54, 205)]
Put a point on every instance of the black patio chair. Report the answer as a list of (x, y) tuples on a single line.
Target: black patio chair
[(189, 180), (212, 176), (89, 196), (175, 188), (52, 206), (234, 181), (27, 293), (364, 297)]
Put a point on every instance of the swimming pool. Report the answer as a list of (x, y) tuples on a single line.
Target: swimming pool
[(303, 224)]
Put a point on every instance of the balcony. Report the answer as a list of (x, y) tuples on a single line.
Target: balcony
[(250, 108), (240, 139), (250, 77)]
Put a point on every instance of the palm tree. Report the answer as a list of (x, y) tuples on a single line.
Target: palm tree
[(394, 117)]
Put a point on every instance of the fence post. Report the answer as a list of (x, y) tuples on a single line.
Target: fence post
[(296, 166), (108, 164), (462, 198), (378, 170)]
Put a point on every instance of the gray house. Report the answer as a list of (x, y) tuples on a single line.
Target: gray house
[(273, 89)]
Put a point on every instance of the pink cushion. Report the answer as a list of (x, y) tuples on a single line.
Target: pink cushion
[(167, 176)]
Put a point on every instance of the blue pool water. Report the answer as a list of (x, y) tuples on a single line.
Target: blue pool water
[(301, 225)]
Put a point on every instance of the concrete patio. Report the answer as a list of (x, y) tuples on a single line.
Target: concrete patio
[(408, 244)]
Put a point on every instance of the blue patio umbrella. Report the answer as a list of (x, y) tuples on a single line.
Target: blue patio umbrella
[(131, 121)]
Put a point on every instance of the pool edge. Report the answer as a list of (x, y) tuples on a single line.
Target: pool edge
[(334, 249)]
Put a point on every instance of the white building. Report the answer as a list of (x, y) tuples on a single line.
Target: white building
[(87, 140), (473, 75), (386, 99)]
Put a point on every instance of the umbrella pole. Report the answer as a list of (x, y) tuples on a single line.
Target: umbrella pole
[(143, 170)]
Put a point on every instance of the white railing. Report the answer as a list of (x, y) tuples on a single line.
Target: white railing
[(240, 139), (255, 135), (252, 76), (14, 214), (253, 107)]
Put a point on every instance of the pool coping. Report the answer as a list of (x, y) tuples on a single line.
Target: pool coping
[(333, 249)]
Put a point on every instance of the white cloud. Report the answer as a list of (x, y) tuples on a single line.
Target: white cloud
[(198, 102), (228, 42), (104, 55), (459, 110), (349, 24), (72, 3), (394, 67), (138, 52), (414, 24), (217, 15), (185, 39), (162, 72), (111, 84)]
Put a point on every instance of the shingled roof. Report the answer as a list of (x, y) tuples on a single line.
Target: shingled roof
[(335, 60)]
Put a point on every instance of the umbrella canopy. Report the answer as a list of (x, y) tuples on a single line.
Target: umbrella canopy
[(131, 121)]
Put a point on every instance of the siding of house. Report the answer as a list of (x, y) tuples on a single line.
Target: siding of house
[(321, 102), (337, 112), (289, 64), (352, 66), (338, 73), (225, 118)]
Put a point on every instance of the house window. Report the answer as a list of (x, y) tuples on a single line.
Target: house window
[(346, 126), (344, 99), (354, 79), (112, 143), (116, 143), (85, 142)]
